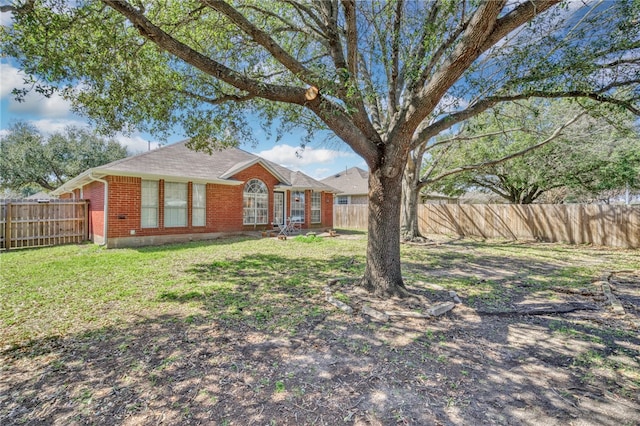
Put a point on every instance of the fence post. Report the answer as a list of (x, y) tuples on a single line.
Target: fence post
[(7, 227)]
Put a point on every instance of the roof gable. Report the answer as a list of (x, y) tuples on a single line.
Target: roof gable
[(257, 160), (352, 181)]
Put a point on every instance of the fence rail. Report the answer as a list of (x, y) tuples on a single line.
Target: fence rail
[(614, 226), (26, 223)]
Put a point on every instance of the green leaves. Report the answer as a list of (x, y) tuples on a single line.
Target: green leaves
[(33, 161), (597, 153)]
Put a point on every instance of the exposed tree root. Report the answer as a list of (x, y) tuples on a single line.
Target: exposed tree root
[(545, 309), (399, 291), (413, 239), (579, 291)]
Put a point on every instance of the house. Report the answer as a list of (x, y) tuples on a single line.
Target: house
[(174, 194), (39, 196), (353, 185)]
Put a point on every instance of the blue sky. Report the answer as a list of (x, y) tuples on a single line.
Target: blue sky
[(53, 114)]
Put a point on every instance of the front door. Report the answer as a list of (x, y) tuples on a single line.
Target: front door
[(278, 207)]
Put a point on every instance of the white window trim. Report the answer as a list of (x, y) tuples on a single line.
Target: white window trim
[(318, 208), (144, 206), (199, 208), (255, 196), (168, 208), (296, 204)]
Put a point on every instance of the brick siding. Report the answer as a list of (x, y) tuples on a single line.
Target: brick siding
[(224, 207)]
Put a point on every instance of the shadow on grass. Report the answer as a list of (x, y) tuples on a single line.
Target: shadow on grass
[(267, 348), (489, 276), (265, 290), (174, 370)]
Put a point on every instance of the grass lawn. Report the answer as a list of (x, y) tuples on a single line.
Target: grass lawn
[(267, 283), (237, 331), (80, 288)]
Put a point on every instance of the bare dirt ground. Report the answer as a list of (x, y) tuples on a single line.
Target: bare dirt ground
[(504, 363)]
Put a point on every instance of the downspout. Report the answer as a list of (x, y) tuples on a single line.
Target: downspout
[(105, 205)]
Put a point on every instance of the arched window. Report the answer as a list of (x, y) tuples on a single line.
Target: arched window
[(256, 203)]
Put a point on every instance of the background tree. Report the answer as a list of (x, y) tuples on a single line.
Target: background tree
[(375, 73), (517, 152), (32, 162)]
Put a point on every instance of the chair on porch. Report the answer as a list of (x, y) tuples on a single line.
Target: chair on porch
[(292, 225)]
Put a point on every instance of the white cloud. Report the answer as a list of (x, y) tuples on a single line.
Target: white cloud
[(36, 104), (6, 19), (286, 156), (11, 78), (33, 103), (136, 143), (47, 126)]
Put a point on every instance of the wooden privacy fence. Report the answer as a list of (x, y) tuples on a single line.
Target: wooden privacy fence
[(350, 216), (26, 223), (615, 226)]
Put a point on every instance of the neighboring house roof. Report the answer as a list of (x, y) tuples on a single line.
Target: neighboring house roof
[(39, 196), (178, 162), (353, 181)]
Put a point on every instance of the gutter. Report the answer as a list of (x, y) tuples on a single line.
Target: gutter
[(105, 205)]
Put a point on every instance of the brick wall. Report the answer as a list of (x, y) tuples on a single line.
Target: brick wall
[(254, 172), (124, 206), (94, 192), (223, 207)]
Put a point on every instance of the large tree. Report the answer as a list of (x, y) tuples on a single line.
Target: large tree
[(32, 160), (375, 73), (517, 152)]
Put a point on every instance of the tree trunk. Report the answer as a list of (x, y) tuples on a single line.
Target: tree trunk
[(410, 192), (382, 275)]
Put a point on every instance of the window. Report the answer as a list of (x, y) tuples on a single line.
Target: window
[(297, 206), (278, 207), (342, 199), (149, 213), (256, 203), (175, 204), (198, 204), (315, 207)]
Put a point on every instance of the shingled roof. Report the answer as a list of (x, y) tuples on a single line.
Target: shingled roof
[(353, 181), (178, 162)]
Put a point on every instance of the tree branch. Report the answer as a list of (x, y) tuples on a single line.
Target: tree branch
[(520, 153), (333, 35), (215, 101), (26, 7), (352, 38), (470, 138), (288, 94), (493, 188), (438, 55), (484, 30), (327, 111), (264, 40), (448, 121), (518, 16), (395, 55)]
